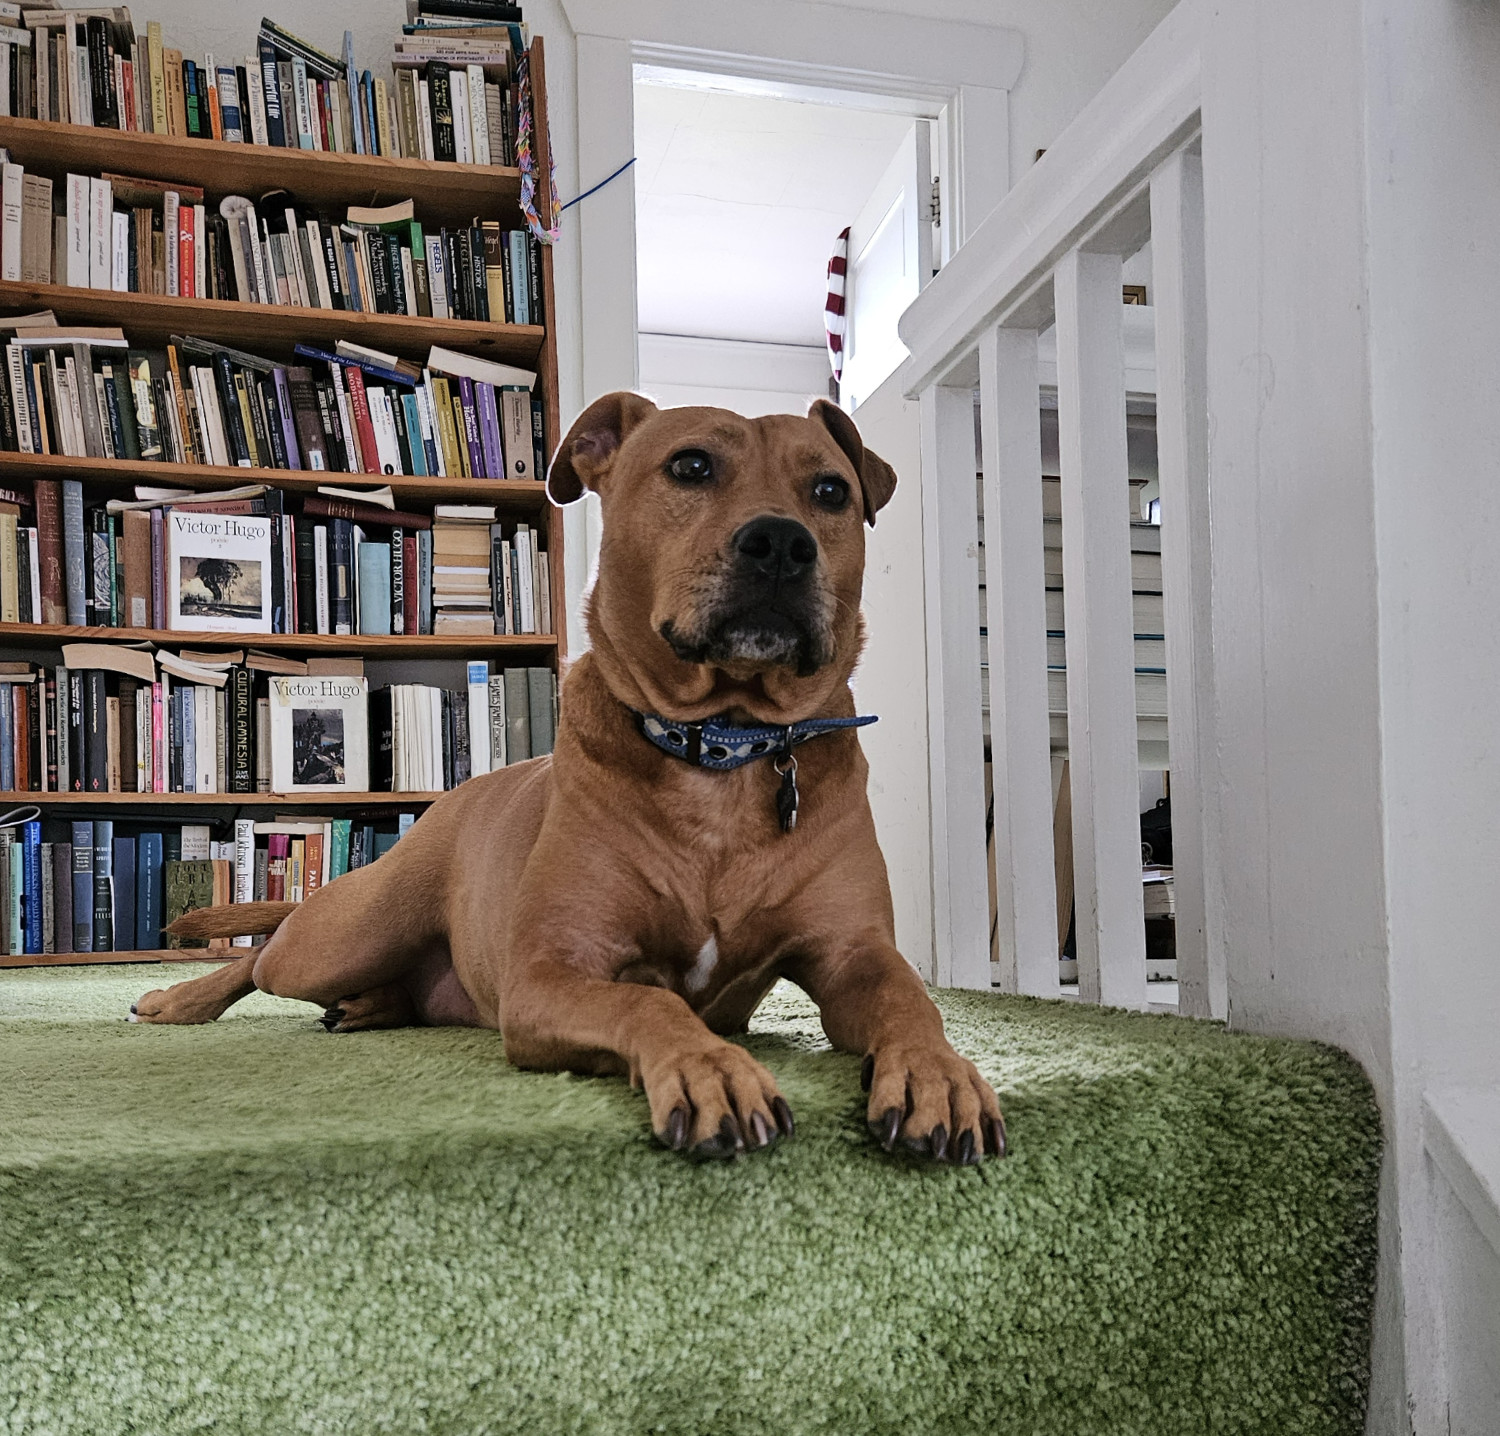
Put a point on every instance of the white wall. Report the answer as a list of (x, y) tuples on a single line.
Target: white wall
[(1432, 153), (891, 678), (1071, 50), (752, 379)]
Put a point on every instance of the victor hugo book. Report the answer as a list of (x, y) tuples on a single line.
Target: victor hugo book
[(320, 734), (219, 572)]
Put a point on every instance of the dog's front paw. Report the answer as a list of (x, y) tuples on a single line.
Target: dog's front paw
[(717, 1102), (934, 1103)]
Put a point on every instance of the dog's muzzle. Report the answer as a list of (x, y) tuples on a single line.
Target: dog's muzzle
[(770, 608)]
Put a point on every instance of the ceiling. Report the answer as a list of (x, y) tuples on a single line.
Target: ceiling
[(738, 201)]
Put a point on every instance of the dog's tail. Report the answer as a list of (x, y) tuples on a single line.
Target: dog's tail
[(236, 919)]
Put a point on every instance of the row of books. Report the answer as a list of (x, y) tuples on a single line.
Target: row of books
[(349, 410), (106, 887), (452, 96), (143, 236), (239, 562), (99, 724)]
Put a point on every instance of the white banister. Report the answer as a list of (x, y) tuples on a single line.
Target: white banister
[(1180, 293), (1108, 920), (955, 733), (1011, 446)]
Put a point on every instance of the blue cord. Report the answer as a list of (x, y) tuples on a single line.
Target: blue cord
[(600, 185)]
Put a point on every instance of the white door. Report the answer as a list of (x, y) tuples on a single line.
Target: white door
[(890, 259)]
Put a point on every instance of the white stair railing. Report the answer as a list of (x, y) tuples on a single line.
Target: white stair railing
[(1127, 170)]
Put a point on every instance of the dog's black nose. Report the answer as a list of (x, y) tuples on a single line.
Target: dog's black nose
[(777, 548)]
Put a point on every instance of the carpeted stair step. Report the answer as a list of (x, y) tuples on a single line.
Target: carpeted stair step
[(258, 1227)]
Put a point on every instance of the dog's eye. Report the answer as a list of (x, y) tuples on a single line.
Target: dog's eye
[(691, 466), (830, 492)]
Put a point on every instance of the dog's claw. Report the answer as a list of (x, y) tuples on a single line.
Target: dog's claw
[(967, 1157), (884, 1129), (676, 1133), (132, 1009), (726, 1142), (938, 1141), (867, 1071), (996, 1145), (760, 1129), (783, 1116), (331, 1018)]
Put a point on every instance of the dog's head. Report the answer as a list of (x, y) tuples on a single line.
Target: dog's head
[(733, 552)]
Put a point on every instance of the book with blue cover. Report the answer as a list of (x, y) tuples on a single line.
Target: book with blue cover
[(123, 893), (375, 588), (31, 860), (148, 897)]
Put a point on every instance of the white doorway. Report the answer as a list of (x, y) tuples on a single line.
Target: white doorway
[(740, 201)]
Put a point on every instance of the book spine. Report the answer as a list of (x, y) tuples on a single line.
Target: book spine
[(83, 887), (104, 896), (242, 724), (341, 577)]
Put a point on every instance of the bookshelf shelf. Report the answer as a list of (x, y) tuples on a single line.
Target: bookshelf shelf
[(510, 495), (312, 801), (160, 954), (271, 329), (397, 645), (445, 194)]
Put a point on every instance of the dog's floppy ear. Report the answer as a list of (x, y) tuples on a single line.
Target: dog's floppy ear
[(876, 477), (585, 456)]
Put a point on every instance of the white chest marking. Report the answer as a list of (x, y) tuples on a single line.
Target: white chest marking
[(696, 978)]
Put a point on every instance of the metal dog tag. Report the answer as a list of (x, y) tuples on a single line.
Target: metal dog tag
[(786, 794)]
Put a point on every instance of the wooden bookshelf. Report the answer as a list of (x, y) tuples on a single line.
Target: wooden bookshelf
[(512, 496), (158, 954), (272, 329), (445, 195), (374, 645)]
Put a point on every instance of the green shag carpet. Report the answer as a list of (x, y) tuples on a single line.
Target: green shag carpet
[(257, 1227)]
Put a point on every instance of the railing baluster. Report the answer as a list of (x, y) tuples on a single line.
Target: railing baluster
[(1108, 925), (1182, 462), (950, 543), (1020, 748)]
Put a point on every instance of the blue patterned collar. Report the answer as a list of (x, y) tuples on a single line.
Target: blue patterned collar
[(723, 746)]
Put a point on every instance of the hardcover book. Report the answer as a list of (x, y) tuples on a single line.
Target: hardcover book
[(219, 572), (320, 740)]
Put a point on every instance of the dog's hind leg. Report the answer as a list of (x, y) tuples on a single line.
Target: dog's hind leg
[(199, 999), (388, 1006)]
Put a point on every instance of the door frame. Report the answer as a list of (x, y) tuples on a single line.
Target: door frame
[(960, 77)]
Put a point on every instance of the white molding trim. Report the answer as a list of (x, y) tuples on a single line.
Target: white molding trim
[(733, 364), (830, 46), (1094, 177)]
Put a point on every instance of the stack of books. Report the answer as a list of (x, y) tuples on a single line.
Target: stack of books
[(85, 392), (462, 594), (453, 66), (112, 720), (453, 97), (114, 886)]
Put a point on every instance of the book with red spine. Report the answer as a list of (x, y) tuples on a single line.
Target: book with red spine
[(410, 599), (359, 406), (186, 251), (333, 506), (277, 847), (49, 543)]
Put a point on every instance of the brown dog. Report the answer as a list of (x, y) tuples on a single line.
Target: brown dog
[(614, 909)]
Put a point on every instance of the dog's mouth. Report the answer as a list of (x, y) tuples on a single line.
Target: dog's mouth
[(754, 638)]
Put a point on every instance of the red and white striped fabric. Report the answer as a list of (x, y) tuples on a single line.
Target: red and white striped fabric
[(833, 310)]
